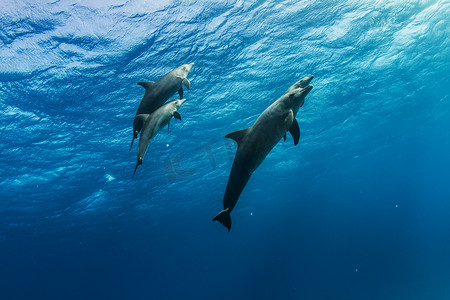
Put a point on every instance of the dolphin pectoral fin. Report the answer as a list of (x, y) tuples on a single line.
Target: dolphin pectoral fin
[(295, 131), (187, 84), (237, 135), (147, 85), (284, 138), (180, 92), (176, 115), (224, 218)]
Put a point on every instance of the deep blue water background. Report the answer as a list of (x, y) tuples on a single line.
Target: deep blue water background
[(360, 209)]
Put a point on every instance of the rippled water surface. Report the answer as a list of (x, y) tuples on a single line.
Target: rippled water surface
[(360, 209)]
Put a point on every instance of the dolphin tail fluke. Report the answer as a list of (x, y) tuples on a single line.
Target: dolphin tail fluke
[(224, 218)]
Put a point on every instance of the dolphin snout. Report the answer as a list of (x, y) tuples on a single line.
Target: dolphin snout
[(302, 83), (189, 67), (307, 80)]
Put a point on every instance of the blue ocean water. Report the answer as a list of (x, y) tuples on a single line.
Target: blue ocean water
[(360, 209)]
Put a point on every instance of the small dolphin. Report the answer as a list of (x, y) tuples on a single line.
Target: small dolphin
[(156, 93), (153, 123), (255, 142)]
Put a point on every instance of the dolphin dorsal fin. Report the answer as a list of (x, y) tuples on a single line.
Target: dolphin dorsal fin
[(237, 135), (147, 85), (142, 117)]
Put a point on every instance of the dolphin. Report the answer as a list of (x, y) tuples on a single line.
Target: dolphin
[(256, 141), (153, 123), (156, 93)]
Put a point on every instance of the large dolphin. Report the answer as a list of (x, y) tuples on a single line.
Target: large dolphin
[(156, 93), (153, 123), (255, 142)]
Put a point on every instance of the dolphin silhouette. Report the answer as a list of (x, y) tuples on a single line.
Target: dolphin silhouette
[(255, 142)]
